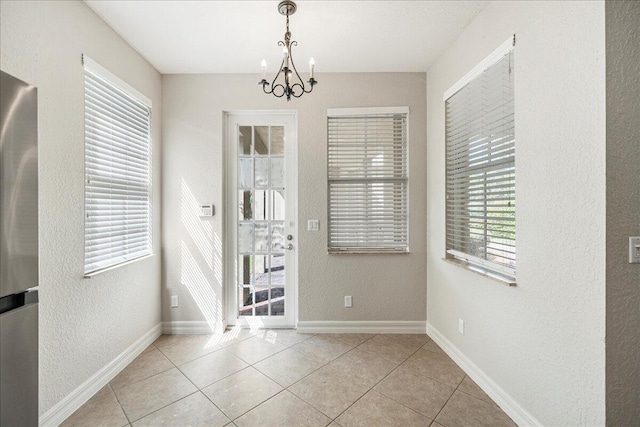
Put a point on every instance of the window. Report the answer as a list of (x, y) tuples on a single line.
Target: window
[(117, 171), (480, 167), (368, 179)]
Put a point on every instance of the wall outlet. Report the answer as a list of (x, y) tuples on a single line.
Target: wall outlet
[(348, 302), (313, 225), (461, 326), (174, 300)]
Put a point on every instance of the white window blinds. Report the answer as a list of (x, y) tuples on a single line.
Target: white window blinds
[(117, 171), (367, 180), (480, 169)]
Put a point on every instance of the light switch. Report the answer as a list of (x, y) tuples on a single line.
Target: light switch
[(312, 225), (634, 250)]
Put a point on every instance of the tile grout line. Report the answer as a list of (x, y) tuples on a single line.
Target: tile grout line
[(378, 382), (259, 371), (200, 390), (171, 403), (174, 366), (321, 366), (326, 364), (445, 403), (432, 379), (310, 373), (332, 360), (246, 367), (118, 400)]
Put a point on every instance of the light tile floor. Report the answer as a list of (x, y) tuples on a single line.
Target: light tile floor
[(282, 378)]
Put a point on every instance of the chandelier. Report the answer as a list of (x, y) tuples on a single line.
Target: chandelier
[(287, 81)]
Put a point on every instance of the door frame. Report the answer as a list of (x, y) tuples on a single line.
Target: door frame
[(229, 288)]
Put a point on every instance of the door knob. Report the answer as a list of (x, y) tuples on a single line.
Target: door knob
[(289, 246)]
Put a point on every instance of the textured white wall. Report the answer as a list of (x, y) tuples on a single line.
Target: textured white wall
[(84, 324), (384, 287), (543, 341), (623, 212)]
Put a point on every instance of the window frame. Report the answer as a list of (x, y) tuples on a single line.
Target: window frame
[(123, 90), (478, 264), (404, 180)]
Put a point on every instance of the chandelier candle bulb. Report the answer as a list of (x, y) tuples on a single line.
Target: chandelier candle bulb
[(312, 65), (263, 66)]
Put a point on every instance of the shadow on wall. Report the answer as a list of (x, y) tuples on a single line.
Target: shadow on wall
[(201, 260)]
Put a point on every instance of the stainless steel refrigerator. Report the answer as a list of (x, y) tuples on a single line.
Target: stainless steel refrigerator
[(18, 253)]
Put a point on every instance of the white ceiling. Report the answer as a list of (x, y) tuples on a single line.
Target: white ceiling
[(234, 36)]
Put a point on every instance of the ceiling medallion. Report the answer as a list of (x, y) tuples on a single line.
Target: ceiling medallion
[(292, 84)]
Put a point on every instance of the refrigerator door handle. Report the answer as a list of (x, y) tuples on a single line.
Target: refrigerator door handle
[(23, 299)]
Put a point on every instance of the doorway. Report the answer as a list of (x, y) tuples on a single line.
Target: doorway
[(261, 210)]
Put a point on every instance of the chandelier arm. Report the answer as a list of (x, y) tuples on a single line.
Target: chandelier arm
[(304, 88), (264, 87), (280, 70), (300, 93), (278, 86), (293, 66)]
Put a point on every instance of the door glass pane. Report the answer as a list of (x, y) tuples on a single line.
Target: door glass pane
[(277, 172), (262, 236), (244, 140), (277, 140), (261, 206), (245, 299), (277, 237), (246, 280), (277, 285), (277, 205), (262, 286), (245, 237), (261, 142), (245, 270), (277, 302), (262, 172), (245, 205), (246, 173)]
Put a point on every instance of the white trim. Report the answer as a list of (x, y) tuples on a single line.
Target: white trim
[(369, 327), (509, 405), (78, 397), (90, 64), (494, 57), (500, 269), (226, 113), (335, 112), (193, 327), (113, 267)]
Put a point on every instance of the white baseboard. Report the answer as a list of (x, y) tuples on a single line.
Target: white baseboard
[(363, 327), (190, 327), (78, 397), (509, 405)]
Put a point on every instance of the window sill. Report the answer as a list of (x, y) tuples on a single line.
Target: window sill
[(496, 277), (366, 252), (113, 267)]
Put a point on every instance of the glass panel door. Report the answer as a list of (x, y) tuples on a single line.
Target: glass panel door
[(263, 221)]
